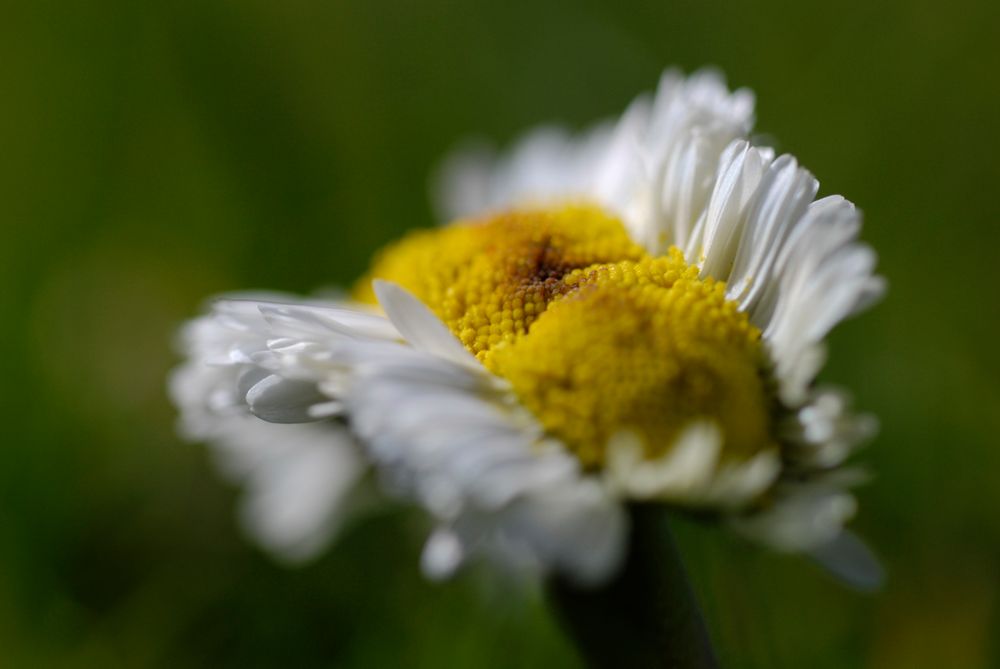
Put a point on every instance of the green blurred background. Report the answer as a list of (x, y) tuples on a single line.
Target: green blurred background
[(154, 153)]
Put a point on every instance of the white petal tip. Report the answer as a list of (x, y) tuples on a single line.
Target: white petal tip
[(852, 562), (419, 326), (443, 555)]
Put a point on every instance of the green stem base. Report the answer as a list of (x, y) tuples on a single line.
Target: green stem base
[(647, 615)]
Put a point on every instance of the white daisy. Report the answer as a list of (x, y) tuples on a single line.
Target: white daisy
[(636, 314)]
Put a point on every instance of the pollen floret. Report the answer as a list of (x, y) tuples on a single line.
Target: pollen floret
[(645, 347), (488, 280)]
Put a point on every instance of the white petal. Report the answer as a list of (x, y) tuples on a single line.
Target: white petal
[(851, 561), (575, 528), (419, 326), (686, 467), (300, 489), (825, 431), (783, 196), (802, 518), (442, 555), (279, 400), (303, 320), (821, 277), (742, 168), (690, 473)]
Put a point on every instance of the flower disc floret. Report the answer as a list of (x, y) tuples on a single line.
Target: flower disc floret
[(645, 347), (489, 279)]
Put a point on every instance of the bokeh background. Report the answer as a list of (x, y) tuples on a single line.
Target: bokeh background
[(154, 153)]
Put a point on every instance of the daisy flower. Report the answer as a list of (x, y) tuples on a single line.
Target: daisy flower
[(632, 315)]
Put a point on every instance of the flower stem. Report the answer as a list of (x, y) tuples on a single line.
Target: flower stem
[(646, 616)]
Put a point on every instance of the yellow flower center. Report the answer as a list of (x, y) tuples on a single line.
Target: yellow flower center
[(489, 280), (594, 335)]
